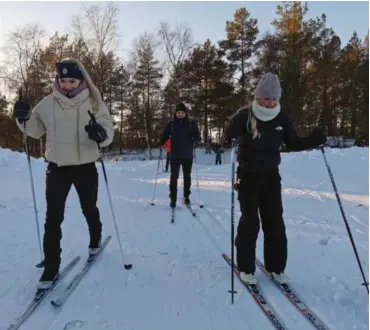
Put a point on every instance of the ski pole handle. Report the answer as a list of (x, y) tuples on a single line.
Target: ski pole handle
[(92, 116)]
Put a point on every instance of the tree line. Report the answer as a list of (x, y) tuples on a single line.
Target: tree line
[(324, 81)]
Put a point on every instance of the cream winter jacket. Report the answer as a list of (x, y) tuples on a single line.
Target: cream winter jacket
[(63, 120)]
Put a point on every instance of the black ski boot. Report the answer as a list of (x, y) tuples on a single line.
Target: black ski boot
[(48, 277), (186, 201), (94, 248)]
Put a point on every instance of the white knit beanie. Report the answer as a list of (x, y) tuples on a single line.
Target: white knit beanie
[(268, 87)]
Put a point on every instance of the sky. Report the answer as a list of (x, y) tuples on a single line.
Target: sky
[(206, 19)]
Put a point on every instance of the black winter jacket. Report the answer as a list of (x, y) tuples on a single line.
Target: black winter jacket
[(262, 154), (183, 133)]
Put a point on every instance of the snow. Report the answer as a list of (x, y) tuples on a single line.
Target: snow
[(179, 279)]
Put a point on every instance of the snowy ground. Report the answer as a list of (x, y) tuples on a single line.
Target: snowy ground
[(179, 281)]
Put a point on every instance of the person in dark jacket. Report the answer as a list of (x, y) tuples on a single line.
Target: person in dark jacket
[(218, 151), (260, 130), (184, 132)]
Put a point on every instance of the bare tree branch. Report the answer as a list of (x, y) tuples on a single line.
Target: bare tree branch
[(24, 47), (98, 28), (177, 43)]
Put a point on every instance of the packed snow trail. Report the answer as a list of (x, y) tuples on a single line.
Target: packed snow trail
[(179, 279)]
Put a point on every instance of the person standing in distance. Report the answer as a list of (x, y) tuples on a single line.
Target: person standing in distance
[(184, 132), (260, 129), (71, 153)]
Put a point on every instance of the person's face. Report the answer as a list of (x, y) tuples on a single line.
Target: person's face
[(267, 103), (69, 84), (180, 114)]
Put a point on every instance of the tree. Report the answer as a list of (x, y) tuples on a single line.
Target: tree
[(24, 47), (240, 45), (177, 43), (3, 104), (97, 28), (207, 73), (146, 81), (121, 87)]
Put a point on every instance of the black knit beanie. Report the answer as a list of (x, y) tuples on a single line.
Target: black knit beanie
[(69, 70), (181, 107)]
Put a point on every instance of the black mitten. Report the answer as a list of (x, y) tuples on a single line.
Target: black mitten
[(22, 111), (96, 132)]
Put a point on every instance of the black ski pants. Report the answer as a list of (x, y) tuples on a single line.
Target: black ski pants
[(218, 159), (168, 159), (261, 193), (59, 181), (175, 170)]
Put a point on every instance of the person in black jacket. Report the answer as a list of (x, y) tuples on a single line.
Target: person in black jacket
[(217, 149), (260, 130), (184, 132)]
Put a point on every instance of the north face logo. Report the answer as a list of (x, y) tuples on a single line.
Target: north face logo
[(278, 128)]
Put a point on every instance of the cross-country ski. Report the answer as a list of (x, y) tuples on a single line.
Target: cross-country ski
[(40, 297), (260, 299), (60, 300)]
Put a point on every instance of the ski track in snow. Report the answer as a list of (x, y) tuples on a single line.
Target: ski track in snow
[(179, 279)]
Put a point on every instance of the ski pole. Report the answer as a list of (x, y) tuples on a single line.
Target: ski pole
[(41, 264), (196, 174), (232, 291), (127, 266), (162, 162), (25, 140), (366, 283), (156, 177)]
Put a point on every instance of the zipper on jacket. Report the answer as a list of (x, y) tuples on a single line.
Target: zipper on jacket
[(78, 134)]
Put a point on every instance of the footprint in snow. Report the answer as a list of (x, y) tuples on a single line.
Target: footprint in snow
[(325, 241), (73, 324)]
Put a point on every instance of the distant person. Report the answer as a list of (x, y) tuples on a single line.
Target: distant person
[(217, 149), (184, 132), (260, 129), (71, 150)]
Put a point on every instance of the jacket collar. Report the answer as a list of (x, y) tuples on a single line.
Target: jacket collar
[(73, 102)]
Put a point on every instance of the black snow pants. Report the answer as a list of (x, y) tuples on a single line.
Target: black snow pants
[(175, 170), (261, 193), (168, 159), (59, 181), (218, 159)]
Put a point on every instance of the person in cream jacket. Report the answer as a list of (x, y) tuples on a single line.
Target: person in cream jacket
[(72, 139)]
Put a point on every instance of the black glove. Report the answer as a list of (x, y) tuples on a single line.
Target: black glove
[(96, 132), (237, 185), (318, 137), (22, 111)]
